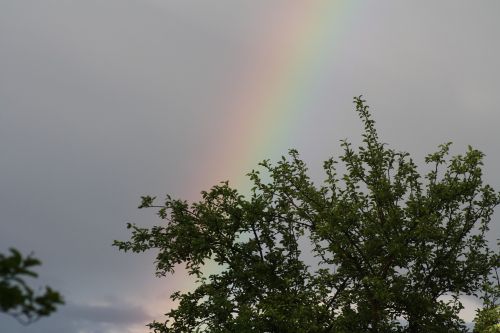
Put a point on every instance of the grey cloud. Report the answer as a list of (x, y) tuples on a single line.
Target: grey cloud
[(78, 318), (116, 313), (102, 101)]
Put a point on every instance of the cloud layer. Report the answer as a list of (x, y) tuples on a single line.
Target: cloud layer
[(104, 101)]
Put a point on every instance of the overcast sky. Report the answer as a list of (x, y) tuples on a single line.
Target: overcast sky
[(102, 101)]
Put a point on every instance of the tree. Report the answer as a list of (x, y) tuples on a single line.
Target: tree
[(16, 297), (488, 318), (395, 250)]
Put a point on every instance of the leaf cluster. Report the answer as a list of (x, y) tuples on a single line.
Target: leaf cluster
[(17, 298)]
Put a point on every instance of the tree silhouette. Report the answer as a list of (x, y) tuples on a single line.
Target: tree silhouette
[(17, 298), (389, 243)]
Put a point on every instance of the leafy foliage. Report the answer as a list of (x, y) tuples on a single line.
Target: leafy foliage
[(488, 319), (389, 243), (16, 297)]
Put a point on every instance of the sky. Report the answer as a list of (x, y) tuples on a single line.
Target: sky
[(102, 101)]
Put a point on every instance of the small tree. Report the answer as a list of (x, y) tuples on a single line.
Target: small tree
[(389, 242), (17, 298), (488, 318)]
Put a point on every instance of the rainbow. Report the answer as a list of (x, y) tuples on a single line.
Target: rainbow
[(275, 90)]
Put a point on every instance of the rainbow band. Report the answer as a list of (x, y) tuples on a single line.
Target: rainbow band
[(276, 90)]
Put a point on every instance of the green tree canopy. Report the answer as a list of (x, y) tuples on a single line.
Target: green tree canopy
[(488, 318), (389, 242), (17, 298)]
